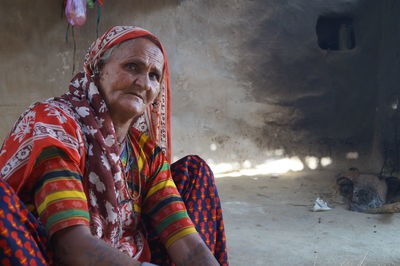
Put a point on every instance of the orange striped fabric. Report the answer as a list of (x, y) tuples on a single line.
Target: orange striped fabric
[(58, 194), (160, 201)]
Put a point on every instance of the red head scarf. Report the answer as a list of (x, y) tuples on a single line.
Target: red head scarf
[(156, 120)]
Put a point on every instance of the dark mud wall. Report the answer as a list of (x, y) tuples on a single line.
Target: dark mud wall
[(388, 111), (249, 79)]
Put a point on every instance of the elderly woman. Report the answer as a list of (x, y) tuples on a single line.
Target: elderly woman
[(92, 167)]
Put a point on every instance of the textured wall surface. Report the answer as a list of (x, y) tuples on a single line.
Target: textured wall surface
[(249, 80)]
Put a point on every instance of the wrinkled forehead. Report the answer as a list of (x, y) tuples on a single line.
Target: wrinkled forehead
[(141, 44)]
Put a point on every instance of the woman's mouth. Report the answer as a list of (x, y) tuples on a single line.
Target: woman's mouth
[(137, 96)]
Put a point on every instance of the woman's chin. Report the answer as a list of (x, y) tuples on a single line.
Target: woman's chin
[(126, 115), (134, 111)]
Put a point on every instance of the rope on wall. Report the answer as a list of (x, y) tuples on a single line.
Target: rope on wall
[(74, 45)]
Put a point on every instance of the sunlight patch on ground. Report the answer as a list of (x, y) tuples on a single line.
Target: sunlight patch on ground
[(278, 166), (312, 162), (270, 166), (325, 161)]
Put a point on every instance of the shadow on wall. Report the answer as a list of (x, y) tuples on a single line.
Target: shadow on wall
[(319, 62)]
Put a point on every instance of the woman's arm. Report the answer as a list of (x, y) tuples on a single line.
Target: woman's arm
[(76, 246), (190, 250)]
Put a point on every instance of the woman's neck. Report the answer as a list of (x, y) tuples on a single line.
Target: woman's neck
[(121, 127), (121, 135), (121, 132)]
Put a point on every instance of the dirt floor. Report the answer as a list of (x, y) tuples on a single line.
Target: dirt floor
[(269, 222)]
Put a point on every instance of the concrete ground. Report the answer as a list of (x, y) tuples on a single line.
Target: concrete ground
[(269, 222)]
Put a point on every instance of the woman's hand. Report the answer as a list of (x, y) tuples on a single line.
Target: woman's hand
[(76, 246), (191, 250)]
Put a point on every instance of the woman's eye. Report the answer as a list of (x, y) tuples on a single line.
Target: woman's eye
[(154, 76), (131, 66)]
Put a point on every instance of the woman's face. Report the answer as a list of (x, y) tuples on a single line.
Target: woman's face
[(131, 79)]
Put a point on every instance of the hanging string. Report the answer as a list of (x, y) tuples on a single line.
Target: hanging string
[(74, 45), (67, 32), (74, 53), (98, 20)]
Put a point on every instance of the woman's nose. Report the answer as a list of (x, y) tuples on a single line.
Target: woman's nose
[(143, 81)]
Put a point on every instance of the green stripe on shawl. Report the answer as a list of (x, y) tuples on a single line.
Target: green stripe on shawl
[(171, 219), (163, 167), (49, 153), (66, 214)]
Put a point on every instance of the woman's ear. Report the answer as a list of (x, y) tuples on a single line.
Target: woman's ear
[(97, 74), (157, 98), (98, 68)]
